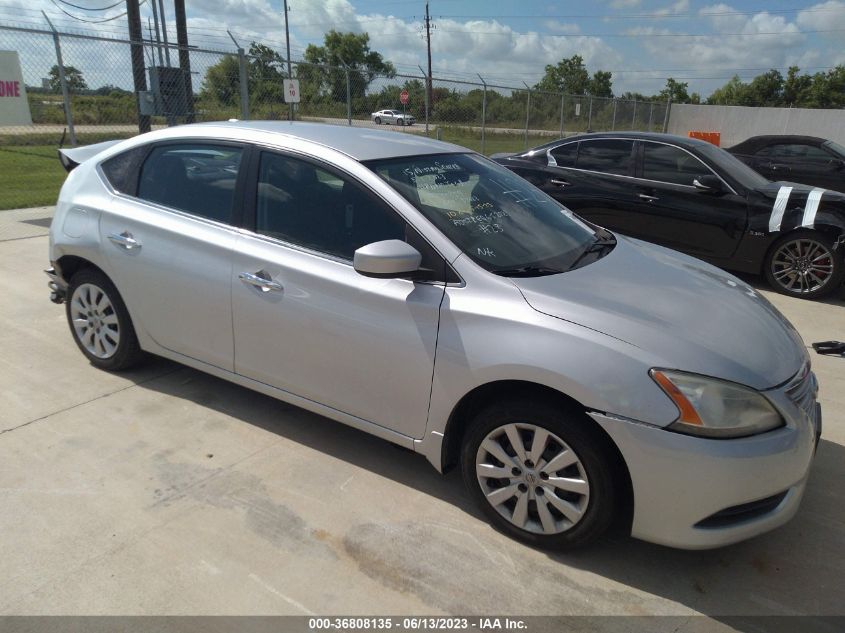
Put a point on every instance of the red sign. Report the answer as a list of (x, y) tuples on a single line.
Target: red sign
[(403, 97), (13, 89)]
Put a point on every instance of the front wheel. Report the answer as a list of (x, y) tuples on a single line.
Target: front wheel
[(804, 264), (378, 120), (541, 473), (100, 323)]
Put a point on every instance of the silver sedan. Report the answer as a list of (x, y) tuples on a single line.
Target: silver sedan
[(394, 117), (418, 291)]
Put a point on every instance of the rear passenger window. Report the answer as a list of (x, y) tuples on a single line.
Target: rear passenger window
[(122, 170), (610, 156), (299, 203), (196, 178), (666, 163), (565, 155)]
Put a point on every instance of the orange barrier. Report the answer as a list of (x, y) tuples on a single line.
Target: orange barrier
[(711, 137)]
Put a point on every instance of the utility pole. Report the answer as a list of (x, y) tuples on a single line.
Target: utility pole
[(139, 79), (164, 31), (184, 56), (287, 42), (428, 45)]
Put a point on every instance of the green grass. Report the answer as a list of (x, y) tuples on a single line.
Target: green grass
[(494, 142), (30, 176)]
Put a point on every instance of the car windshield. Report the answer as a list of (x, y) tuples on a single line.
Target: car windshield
[(499, 220), (836, 147), (736, 169)]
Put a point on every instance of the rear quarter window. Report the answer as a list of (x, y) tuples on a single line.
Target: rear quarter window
[(121, 171)]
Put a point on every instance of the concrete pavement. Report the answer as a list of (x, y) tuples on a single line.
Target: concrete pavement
[(166, 491)]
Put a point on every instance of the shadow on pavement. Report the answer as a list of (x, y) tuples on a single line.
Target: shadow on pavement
[(795, 570)]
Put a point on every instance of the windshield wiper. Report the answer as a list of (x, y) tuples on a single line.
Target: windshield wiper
[(527, 271), (599, 245)]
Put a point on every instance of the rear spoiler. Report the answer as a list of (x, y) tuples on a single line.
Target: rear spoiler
[(72, 157)]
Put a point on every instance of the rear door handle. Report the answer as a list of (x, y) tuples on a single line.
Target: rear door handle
[(261, 281), (125, 240), (559, 183), (648, 198)]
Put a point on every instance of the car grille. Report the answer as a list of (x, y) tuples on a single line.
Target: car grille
[(802, 390)]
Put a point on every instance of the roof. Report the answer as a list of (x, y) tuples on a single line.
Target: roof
[(361, 143), (644, 136), (756, 142)]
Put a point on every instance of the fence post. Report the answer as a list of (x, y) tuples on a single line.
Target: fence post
[(242, 78), (666, 116), (561, 115), (650, 114), (613, 122), (634, 118), (425, 81), (483, 110), (348, 97), (63, 83), (590, 114), (527, 113)]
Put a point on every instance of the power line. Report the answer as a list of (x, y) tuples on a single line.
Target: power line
[(76, 6), (644, 16), (100, 21)]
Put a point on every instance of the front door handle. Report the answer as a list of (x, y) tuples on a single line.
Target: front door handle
[(262, 281), (559, 182), (125, 240), (648, 198)]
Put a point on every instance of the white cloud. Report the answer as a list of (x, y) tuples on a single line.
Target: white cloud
[(625, 4), (681, 6), (824, 16), (556, 26)]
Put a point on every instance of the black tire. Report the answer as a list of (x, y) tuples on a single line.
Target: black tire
[(597, 463), (127, 352), (378, 120), (808, 248)]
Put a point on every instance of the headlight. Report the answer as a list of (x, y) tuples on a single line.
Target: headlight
[(715, 408)]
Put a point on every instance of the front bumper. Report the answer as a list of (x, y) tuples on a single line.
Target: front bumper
[(697, 493)]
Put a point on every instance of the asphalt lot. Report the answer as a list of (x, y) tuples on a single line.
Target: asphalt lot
[(166, 491)]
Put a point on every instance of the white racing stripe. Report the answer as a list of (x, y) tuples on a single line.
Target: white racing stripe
[(812, 206), (779, 208)]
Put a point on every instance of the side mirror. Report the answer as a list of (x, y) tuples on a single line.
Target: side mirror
[(708, 183), (386, 259)]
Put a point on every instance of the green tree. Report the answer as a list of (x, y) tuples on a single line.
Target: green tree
[(265, 74), (795, 87), (73, 78), (222, 82), (732, 93), (765, 90), (601, 84), (568, 75), (342, 49), (674, 90)]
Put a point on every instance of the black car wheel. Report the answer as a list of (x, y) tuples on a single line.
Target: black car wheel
[(378, 120), (100, 323), (541, 474), (804, 264)]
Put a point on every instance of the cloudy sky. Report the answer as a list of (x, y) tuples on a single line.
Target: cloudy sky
[(641, 41)]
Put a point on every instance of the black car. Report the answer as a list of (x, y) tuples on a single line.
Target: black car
[(694, 197), (806, 159)]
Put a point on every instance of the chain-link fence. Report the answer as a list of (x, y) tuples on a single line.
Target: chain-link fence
[(93, 95)]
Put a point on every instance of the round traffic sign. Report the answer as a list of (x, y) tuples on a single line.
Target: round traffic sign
[(403, 97)]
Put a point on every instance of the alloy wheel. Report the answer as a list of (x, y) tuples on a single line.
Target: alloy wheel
[(94, 320), (802, 266), (532, 478)]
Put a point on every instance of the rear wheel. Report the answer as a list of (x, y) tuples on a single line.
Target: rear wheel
[(378, 120), (541, 473), (804, 264), (100, 323)]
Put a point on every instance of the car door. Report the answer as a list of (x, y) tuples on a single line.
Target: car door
[(306, 322), (681, 216), (592, 178), (168, 245)]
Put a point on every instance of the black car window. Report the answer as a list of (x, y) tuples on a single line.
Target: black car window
[(611, 156), (795, 151), (667, 163), (122, 170), (197, 178), (300, 203), (564, 155)]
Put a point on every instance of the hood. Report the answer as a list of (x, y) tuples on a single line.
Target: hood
[(692, 316), (799, 192)]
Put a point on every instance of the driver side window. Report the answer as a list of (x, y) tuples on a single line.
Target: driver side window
[(667, 163)]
